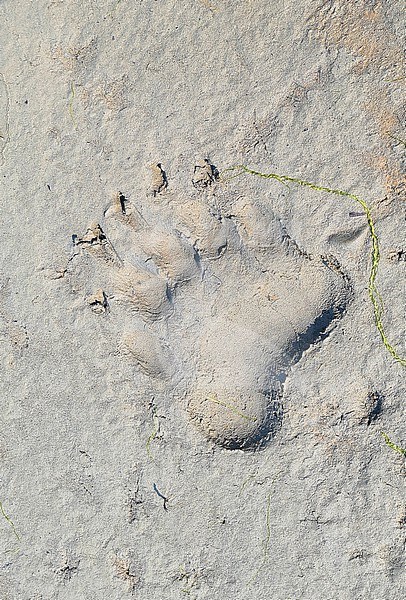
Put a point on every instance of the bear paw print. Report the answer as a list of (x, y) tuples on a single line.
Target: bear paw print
[(223, 302)]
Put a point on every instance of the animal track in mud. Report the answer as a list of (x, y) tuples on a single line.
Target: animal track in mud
[(221, 301)]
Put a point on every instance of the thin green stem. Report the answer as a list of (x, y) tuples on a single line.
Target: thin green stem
[(9, 521), (392, 445)]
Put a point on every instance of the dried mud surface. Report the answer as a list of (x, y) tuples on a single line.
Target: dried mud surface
[(193, 386)]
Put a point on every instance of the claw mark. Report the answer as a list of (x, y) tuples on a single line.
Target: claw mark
[(98, 302), (204, 174), (159, 179), (71, 100), (392, 445), (10, 522), (94, 238), (213, 398), (122, 199), (375, 255)]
